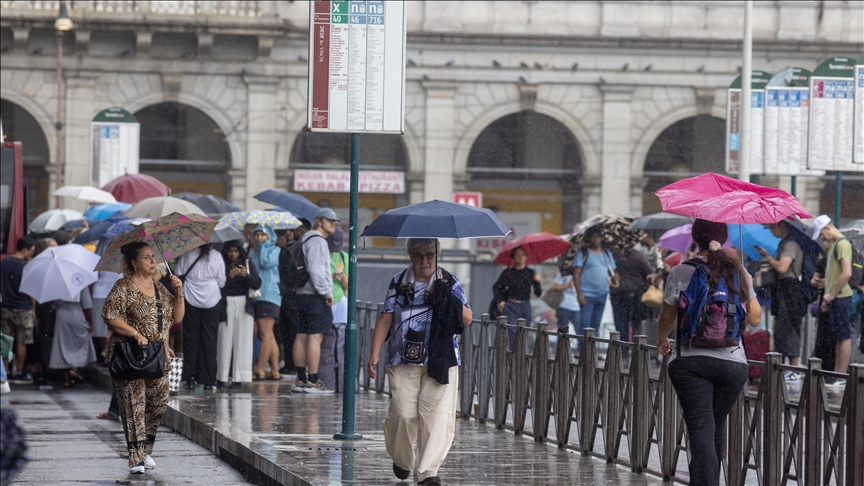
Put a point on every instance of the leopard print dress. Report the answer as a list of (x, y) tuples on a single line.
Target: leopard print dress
[(142, 402)]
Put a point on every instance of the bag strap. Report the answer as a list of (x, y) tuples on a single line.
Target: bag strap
[(201, 254), (158, 307)]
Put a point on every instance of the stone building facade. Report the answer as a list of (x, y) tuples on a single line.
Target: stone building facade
[(556, 111)]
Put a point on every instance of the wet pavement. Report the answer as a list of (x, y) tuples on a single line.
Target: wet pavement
[(69, 445), (288, 438)]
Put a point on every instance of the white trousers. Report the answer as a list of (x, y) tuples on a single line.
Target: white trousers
[(422, 411), (235, 334)]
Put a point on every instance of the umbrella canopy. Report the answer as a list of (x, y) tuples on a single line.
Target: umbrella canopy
[(660, 222), (131, 188), (79, 223), (802, 233), (721, 199), (156, 207), (172, 235), (277, 220), (59, 272), (123, 226), (438, 219), (95, 232), (212, 205), (53, 220), (614, 231), (86, 193), (680, 239), (539, 247), (223, 233), (297, 204), (750, 235), (101, 212)]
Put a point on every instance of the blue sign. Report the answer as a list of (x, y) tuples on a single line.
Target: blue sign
[(733, 141), (358, 12), (376, 12), (757, 99)]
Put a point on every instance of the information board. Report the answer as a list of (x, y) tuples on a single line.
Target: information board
[(832, 107), (858, 125), (757, 124), (356, 66), (787, 112), (114, 145)]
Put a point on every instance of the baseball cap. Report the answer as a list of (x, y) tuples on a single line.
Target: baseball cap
[(327, 213), (820, 222), (336, 240)]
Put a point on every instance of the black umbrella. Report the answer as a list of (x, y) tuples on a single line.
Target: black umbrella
[(212, 205), (802, 235), (657, 224)]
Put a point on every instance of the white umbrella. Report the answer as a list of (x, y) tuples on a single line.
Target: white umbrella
[(54, 219), (59, 272), (86, 193), (156, 207)]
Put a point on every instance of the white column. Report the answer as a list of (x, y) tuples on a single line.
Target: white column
[(616, 149), (262, 136), (440, 140), (80, 110)]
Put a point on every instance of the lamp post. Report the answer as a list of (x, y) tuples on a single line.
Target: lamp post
[(61, 25)]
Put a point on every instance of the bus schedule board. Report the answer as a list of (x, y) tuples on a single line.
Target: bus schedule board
[(858, 156), (759, 80), (356, 66), (832, 106), (787, 114)]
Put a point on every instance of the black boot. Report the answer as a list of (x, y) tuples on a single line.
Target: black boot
[(400, 473)]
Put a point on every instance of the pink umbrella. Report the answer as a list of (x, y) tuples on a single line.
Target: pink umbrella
[(725, 200)]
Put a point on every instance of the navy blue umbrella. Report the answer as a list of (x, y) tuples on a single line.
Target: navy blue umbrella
[(438, 219), (94, 233), (295, 203), (803, 236), (212, 205)]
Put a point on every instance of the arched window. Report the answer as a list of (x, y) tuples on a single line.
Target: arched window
[(20, 126)]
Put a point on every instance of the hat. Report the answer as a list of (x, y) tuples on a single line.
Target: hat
[(820, 222), (327, 213), (335, 241)]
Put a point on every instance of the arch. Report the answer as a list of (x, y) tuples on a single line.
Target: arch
[(38, 112), (21, 126)]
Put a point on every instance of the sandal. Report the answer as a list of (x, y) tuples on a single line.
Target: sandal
[(275, 376), (259, 376), (107, 416)]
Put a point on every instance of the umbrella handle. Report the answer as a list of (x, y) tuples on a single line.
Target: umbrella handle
[(156, 240)]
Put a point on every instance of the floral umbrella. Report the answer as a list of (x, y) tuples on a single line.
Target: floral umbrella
[(172, 235), (614, 230), (278, 220)]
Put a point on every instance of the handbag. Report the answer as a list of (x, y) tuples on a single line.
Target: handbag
[(766, 276), (553, 298), (653, 297), (253, 293), (133, 361)]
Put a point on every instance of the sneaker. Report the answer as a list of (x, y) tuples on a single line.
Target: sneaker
[(149, 463), (19, 379), (301, 386), (318, 388), (209, 388), (792, 378), (4, 387), (139, 469), (837, 384), (400, 473)]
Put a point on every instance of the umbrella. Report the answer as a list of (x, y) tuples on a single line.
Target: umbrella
[(53, 220), (297, 204), (95, 232), (438, 219), (86, 193), (277, 220), (79, 223), (59, 272), (223, 233), (539, 247), (722, 199), (124, 226), (212, 205), (156, 207), (680, 239), (131, 188), (614, 231), (802, 233), (101, 212), (173, 235), (659, 222), (750, 235)]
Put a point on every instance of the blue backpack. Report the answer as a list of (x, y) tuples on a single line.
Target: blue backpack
[(705, 317)]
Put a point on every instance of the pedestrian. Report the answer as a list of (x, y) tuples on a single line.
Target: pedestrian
[(137, 310), (593, 273), (265, 257), (287, 315), (838, 293), (627, 308), (236, 332), (422, 361), (707, 381), (824, 347), (39, 353), (312, 303), (17, 312), (512, 291), (72, 346), (332, 366), (788, 305), (104, 283), (568, 311), (204, 272)]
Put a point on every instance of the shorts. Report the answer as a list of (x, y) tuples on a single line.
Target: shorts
[(838, 316), (266, 309), (314, 316), (18, 323)]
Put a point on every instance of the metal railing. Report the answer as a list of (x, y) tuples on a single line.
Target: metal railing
[(629, 415)]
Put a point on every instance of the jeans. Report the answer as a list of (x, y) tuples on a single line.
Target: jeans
[(626, 311), (591, 314), (570, 319), (331, 368), (515, 311), (707, 388)]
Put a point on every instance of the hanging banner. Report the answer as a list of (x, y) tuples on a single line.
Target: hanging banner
[(759, 80), (357, 66), (787, 112), (114, 145), (832, 106), (858, 125)]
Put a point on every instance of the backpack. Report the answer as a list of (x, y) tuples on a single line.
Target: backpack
[(292, 266), (857, 264), (808, 268), (705, 317)]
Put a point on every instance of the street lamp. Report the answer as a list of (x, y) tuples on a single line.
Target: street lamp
[(61, 25)]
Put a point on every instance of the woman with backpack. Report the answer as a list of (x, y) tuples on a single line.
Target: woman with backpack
[(708, 369)]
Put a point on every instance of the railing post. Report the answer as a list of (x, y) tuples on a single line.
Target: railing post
[(563, 391), (540, 402), (483, 371), (467, 371), (813, 414), (501, 373), (855, 425), (613, 396), (641, 405), (588, 366), (772, 424), (520, 373), (735, 442), (670, 419)]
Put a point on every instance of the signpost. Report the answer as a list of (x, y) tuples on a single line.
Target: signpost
[(757, 126), (356, 85), (114, 145)]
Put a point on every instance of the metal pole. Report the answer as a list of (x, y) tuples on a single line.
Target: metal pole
[(58, 170), (349, 394), (838, 196), (794, 182), (746, 86)]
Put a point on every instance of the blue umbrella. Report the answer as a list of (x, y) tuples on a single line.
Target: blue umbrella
[(212, 205), (438, 219), (297, 204), (77, 223), (123, 226), (101, 212), (751, 235), (94, 233)]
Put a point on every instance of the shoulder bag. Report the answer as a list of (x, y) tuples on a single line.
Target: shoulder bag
[(133, 361)]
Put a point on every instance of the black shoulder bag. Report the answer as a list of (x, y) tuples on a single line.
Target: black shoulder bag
[(133, 361)]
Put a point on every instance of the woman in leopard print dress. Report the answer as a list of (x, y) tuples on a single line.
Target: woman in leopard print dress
[(132, 313)]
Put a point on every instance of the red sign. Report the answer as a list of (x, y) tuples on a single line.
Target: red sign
[(469, 198), (321, 64)]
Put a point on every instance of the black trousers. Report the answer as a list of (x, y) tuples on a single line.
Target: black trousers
[(286, 332), (200, 330)]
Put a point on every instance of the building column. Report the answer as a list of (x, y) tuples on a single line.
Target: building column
[(590, 197), (616, 149), (262, 136), (440, 140), (809, 192), (79, 112), (637, 190)]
